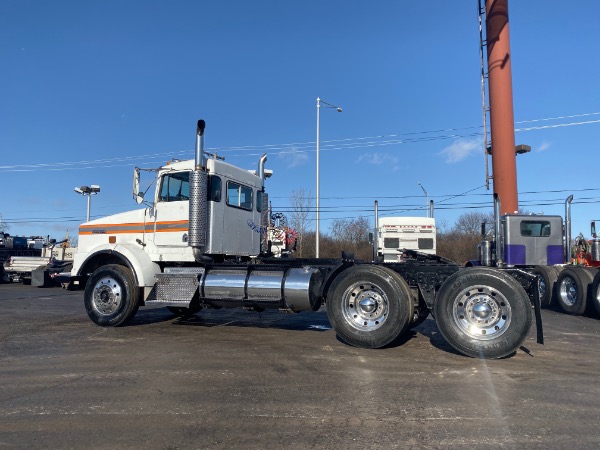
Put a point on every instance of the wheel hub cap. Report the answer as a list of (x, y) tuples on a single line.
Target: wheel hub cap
[(368, 305), (482, 312), (107, 296), (568, 291), (365, 306)]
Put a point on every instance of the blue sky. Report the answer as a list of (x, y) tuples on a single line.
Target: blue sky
[(91, 89)]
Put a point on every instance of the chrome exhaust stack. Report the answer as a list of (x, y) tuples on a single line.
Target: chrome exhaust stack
[(261, 168), (498, 232), (198, 215), (568, 228), (376, 231)]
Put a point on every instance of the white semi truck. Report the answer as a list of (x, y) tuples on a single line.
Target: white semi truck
[(198, 244), (397, 234)]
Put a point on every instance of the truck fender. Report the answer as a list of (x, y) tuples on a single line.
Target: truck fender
[(143, 268)]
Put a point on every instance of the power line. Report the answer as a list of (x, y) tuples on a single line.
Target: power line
[(299, 147)]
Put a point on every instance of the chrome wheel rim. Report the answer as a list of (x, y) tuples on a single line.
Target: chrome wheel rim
[(107, 296), (482, 312), (568, 291), (542, 287), (365, 306)]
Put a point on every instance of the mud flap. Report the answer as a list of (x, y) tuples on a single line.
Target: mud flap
[(537, 307)]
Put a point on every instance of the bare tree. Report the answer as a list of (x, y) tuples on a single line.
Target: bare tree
[(470, 223), (352, 235), (301, 202), (460, 243), (3, 225)]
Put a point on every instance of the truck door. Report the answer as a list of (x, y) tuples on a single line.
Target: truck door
[(172, 210)]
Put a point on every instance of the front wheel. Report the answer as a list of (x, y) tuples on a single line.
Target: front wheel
[(483, 313), (111, 297), (369, 306)]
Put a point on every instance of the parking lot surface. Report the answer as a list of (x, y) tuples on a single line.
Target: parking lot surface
[(238, 379)]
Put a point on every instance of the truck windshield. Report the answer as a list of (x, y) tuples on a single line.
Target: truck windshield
[(175, 187)]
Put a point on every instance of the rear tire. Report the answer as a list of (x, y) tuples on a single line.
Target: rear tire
[(483, 313), (111, 297), (548, 277), (594, 297), (369, 306), (572, 289)]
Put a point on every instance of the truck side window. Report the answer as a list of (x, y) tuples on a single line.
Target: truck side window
[(259, 201), (214, 188), (391, 242), (175, 187), (239, 196), (425, 243)]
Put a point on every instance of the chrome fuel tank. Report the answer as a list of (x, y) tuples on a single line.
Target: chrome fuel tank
[(296, 289)]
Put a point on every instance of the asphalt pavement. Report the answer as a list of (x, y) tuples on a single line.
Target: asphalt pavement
[(239, 379)]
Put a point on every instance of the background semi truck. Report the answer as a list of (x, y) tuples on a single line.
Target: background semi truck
[(396, 234), (198, 242), (542, 245)]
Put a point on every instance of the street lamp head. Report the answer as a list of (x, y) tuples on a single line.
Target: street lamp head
[(95, 188), (78, 190), (339, 109)]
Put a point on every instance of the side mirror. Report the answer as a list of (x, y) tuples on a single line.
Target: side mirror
[(593, 227), (137, 195), (371, 237)]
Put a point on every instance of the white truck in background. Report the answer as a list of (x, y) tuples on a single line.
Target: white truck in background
[(396, 234)]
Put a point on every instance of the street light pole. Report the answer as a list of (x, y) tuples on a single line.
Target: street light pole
[(338, 109), (426, 199), (88, 191)]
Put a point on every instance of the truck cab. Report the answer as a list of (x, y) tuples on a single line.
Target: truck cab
[(530, 240), (395, 234), (156, 236)]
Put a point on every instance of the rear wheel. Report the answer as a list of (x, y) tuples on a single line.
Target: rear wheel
[(572, 289), (111, 297), (594, 297), (548, 277), (483, 313), (369, 306)]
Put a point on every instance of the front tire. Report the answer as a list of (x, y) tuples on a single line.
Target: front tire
[(111, 297), (483, 313), (369, 306)]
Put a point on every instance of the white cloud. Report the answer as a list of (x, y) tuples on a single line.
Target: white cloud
[(461, 149), (543, 147), (293, 157), (378, 159)]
